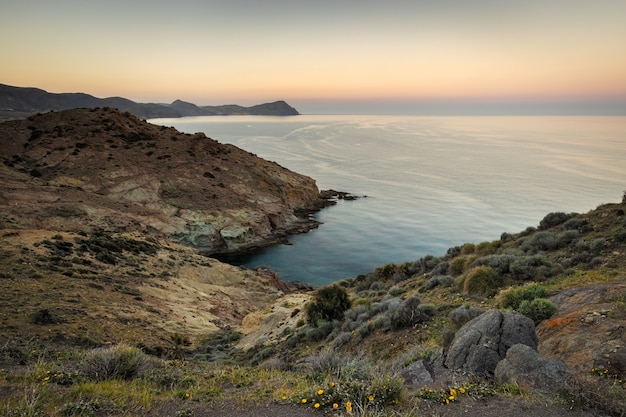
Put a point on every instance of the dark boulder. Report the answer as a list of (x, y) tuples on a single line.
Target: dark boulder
[(523, 366), (481, 343)]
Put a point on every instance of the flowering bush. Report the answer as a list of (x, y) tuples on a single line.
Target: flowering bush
[(453, 394), (357, 395)]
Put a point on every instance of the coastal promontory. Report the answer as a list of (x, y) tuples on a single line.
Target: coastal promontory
[(106, 170)]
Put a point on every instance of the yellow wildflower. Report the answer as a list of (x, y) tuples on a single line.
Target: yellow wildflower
[(335, 405), (304, 401), (320, 392), (447, 402), (452, 392), (186, 395), (462, 390), (284, 397), (451, 398), (349, 407), (332, 384), (371, 398), (317, 405)]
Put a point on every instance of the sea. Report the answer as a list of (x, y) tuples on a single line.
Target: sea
[(427, 183)]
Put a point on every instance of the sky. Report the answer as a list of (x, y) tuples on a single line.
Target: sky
[(326, 56)]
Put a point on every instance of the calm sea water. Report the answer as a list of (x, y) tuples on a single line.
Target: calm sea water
[(431, 182)]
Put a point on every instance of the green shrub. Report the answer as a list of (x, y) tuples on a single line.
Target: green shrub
[(457, 266), (499, 263), (482, 280), (329, 304), (513, 297), (539, 242), (116, 362), (538, 309), (468, 248), (553, 219), (524, 268), (566, 237)]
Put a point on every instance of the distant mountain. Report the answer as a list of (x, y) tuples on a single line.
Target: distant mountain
[(19, 102)]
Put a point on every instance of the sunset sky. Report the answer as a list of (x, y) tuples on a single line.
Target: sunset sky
[(336, 56)]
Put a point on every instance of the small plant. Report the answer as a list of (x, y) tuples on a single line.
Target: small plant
[(411, 312), (513, 297), (44, 317), (538, 309), (482, 280), (329, 304), (80, 408), (116, 362), (553, 219)]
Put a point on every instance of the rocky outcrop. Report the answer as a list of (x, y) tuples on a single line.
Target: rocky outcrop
[(589, 329), (523, 366), (102, 169), (480, 344)]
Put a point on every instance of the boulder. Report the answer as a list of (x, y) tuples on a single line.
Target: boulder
[(523, 365), (481, 343), (417, 374)]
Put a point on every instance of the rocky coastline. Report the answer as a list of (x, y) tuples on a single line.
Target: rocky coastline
[(106, 170)]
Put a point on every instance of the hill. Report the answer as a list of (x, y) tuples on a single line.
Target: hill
[(108, 307), (102, 169), (20, 102)]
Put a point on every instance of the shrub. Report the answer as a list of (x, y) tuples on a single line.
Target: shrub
[(499, 263), (513, 297), (566, 237), (439, 280), (468, 248), (597, 245), (410, 312), (482, 280), (620, 235), (396, 290), (525, 267), (44, 316), (116, 362), (506, 237), (538, 309), (461, 315), (330, 304), (540, 241), (457, 266), (574, 223), (553, 219)]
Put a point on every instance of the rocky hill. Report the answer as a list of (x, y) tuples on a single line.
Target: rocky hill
[(102, 169), (19, 102)]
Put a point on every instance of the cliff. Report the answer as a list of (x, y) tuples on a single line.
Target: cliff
[(102, 169), (19, 102)]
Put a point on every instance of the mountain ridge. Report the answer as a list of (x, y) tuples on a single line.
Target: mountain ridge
[(20, 102)]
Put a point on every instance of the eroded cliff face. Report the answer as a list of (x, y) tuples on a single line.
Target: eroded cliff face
[(102, 169)]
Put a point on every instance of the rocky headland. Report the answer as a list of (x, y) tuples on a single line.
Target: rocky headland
[(105, 170), (20, 102)]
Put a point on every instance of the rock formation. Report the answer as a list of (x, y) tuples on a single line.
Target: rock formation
[(523, 366), (481, 343), (103, 169), (588, 329)]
